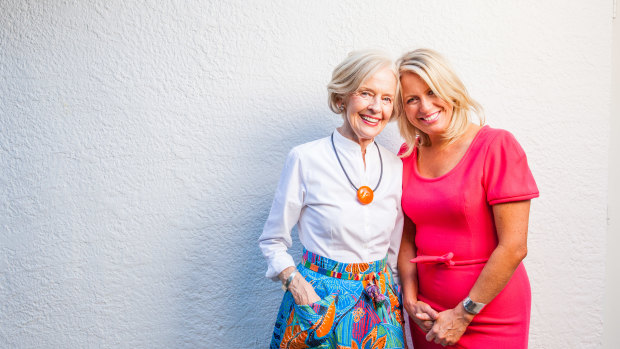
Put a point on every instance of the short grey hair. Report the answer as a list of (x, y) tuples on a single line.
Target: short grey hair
[(351, 73)]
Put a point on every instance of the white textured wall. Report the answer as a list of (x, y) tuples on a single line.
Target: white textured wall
[(141, 142), (611, 336)]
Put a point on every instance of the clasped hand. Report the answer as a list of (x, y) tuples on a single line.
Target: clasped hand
[(422, 314), (446, 327), (449, 326)]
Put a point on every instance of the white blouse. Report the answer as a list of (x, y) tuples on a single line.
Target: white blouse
[(314, 193)]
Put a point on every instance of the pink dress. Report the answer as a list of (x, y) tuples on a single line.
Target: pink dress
[(453, 213)]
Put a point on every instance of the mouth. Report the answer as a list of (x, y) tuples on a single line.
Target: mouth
[(370, 120), (432, 117)]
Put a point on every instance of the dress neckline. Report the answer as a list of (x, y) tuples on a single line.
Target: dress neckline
[(453, 169)]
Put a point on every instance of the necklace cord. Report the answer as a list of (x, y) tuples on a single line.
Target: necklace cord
[(345, 172)]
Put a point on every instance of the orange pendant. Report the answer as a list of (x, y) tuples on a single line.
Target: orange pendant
[(365, 195)]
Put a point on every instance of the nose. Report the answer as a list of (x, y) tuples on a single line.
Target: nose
[(375, 103), (425, 105)]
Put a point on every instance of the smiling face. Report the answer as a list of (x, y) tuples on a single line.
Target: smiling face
[(369, 109), (425, 110)]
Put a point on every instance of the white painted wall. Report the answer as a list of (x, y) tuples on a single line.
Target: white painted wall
[(141, 142), (611, 337)]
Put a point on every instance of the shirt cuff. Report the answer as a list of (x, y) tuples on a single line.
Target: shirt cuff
[(277, 264)]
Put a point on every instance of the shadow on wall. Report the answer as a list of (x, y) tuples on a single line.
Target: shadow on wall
[(226, 301)]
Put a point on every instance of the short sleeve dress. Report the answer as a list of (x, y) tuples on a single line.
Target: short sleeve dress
[(453, 213)]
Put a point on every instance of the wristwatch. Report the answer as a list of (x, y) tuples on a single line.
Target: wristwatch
[(471, 306)]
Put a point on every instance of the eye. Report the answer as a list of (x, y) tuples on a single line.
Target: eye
[(412, 100), (365, 94), (387, 100), (431, 93)]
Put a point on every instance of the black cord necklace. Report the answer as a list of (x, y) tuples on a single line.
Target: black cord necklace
[(364, 193)]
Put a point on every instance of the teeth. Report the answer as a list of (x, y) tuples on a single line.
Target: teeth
[(432, 117), (373, 120)]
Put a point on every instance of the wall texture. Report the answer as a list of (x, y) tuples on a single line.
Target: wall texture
[(141, 142), (611, 337)]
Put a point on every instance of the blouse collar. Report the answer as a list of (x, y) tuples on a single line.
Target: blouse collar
[(343, 144)]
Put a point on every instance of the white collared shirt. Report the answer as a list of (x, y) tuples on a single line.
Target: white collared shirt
[(314, 193)]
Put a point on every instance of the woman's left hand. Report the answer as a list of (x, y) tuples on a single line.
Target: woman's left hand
[(450, 326), (422, 314)]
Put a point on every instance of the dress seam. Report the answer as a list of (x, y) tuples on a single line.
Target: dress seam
[(486, 156)]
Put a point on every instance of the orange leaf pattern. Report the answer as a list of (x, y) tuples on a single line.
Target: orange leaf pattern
[(357, 268), (347, 316)]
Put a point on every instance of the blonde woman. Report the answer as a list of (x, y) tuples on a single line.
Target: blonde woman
[(343, 192), (466, 198)]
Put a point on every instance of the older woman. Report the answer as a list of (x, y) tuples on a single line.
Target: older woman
[(466, 198), (343, 192)]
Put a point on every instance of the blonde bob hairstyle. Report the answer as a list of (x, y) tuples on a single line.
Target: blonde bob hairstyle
[(441, 79), (351, 73)]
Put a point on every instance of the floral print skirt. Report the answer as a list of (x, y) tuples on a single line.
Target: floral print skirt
[(360, 307)]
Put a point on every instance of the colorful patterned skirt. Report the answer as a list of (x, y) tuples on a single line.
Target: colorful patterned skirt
[(360, 307)]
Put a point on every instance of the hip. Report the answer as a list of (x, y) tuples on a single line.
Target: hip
[(444, 287)]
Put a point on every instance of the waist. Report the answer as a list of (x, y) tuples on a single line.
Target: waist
[(447, 259), (340, 270)]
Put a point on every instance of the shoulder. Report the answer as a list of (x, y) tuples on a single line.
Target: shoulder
[(500, 144), (389, 157), (491, 134), (493, 138), (308, 152), (309, 147), (403, 149)]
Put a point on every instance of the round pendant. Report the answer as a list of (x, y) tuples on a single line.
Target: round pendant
[(365, 195)]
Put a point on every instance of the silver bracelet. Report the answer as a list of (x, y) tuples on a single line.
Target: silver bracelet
[(287, 283)]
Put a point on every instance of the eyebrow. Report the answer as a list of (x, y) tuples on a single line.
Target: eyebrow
[(415, 94), (364, 88)]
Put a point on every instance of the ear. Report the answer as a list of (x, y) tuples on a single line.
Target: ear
[(341, 104)]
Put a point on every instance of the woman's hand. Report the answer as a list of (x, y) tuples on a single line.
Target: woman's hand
[(450, 326), (422, 314), (303, 293)]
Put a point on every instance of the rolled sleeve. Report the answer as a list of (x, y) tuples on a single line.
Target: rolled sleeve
[(284, 214)]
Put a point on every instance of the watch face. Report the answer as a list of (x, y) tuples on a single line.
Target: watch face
[(471, 306), (468, 304)]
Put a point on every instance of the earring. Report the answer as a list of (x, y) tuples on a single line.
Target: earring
[(341, 107)]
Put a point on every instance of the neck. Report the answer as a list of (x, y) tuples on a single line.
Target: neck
[(347, 133), (440, 143)]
